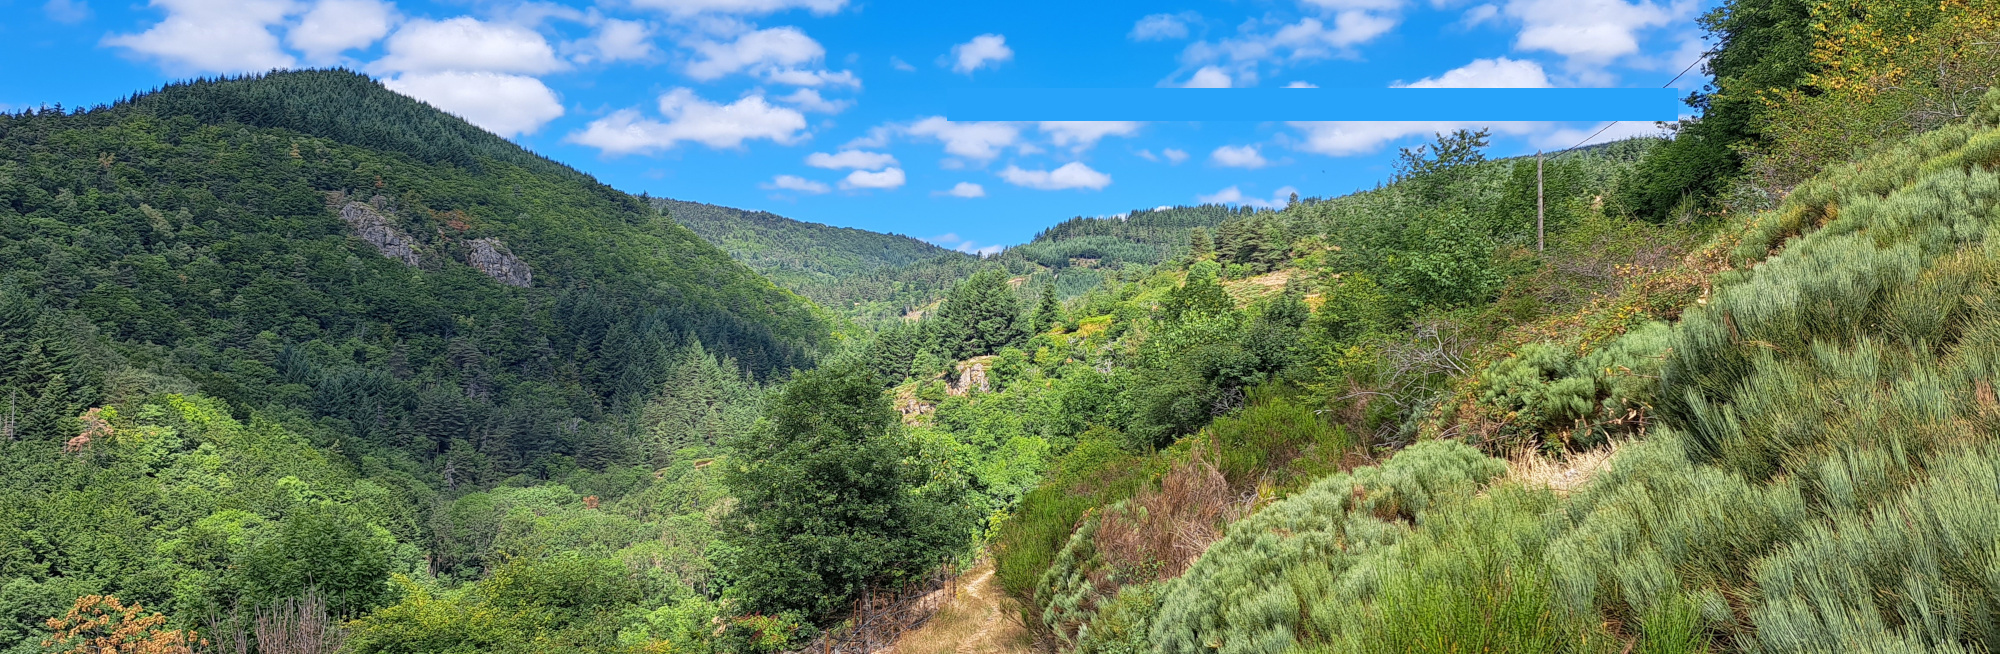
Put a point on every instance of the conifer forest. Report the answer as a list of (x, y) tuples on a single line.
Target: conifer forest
[(294, 364)]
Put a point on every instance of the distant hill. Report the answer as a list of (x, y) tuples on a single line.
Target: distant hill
[(842, 268)]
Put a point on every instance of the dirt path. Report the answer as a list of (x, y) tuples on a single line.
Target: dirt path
[(981, 620)]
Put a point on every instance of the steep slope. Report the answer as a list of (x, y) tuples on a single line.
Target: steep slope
[(313, 240)]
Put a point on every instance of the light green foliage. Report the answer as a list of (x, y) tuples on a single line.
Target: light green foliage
[(1252, 591), (1602, 393)]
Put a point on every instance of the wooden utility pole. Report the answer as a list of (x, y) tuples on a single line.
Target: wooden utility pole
[(1539, 243)]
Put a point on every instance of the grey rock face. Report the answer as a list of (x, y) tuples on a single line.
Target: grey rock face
[(373, 227), (490, 256)]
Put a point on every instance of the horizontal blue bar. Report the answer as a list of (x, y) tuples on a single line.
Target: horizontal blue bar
[(1285, 104)]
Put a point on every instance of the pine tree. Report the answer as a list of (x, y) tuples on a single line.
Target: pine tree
[(982, 316), (1050, 311)]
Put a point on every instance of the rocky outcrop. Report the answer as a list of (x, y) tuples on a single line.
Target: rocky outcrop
[(372, 226), (490, 256), (972, 375)]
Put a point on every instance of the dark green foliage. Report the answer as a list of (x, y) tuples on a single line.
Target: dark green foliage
[(827, 502), (1759, 45), (852, 271), (322, 548), (45, 378), (982, 315), (216, 251), (344, 107)]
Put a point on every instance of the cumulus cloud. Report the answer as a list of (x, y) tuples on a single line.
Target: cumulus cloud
[(796, 183), (212, 36), (1301, 85), (810, 100), (335, 26), (617, 40), (1589, 32), (1497, 73), (887, 178), (964, 190), (505, 104), (1570, 136), (898, 64), (1174, 156), (1341, 138), (977, 141), (467, 44), (1208, 77), (1085, 133), (1237, 59), (1072, 175), (814, 78), (691, 118), (688, 8), (856, 159), (1234, 195), (777, 46), (1160, 27), (985, 50), (1238, 156)]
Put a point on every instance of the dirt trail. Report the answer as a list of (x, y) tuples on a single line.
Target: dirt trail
[(981, 620)]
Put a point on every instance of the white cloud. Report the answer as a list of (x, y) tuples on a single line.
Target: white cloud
[(1301, 85), (1070, 175), (985, 50), (618, 40), (1497, 73), (1085, 133), (504, 104), (67, 12), (1479, 15), (1234, 195), (1341, 139), (1569, 136), (898, 64), (1160, 27), (1238, 156), (1209, 77), (691, 118), (810, 100), (1589, 32), (774, 47), (1337, 5), (962, 245), (213, 36), (467, 44), (1147, 155), (1174, 156), (796, 183), (886, 179), (1237, 59), (814, 78), (857, 159), (964, 190), (687, 8), (336, 26), (978, 141)]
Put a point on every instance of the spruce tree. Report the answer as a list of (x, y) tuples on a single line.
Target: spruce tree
[(982, 316), (1050, 311)]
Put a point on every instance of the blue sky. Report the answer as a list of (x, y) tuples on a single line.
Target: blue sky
[(829, 110)]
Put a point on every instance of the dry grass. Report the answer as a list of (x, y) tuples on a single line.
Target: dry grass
[(1562, 475), (1249, 290), (981, 620)]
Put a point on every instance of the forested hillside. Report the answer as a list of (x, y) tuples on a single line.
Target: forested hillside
[(272, 385), (825, 263)]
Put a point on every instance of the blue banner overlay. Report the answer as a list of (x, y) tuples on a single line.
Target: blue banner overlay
[(1283, 104)]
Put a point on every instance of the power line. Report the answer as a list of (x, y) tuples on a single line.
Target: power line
[(1669, 84)]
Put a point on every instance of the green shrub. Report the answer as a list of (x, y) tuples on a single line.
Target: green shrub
[(1250, 591)]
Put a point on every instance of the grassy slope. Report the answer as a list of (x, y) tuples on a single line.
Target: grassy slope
[(1817, 447), (810, 258)]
